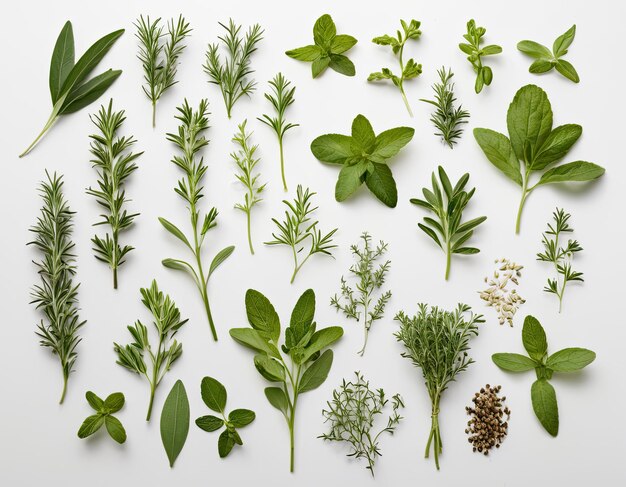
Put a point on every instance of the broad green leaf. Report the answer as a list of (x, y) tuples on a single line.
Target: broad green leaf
[(302, 315), (534, 49), (513, 362), (342, 43), (88, 92), (380, 182), (114, 402), (529, 120), (269, 368), (241, 417), (213, 394), (557, 145), (220, 257), (572, 171), (276, 397), (319, 65), (332, 148), (389, 142), (306, 53), (349, 180), (562, 43), (209, 423), (320, 340), (566, 69), (498, 149), (545, 406), (342, 65), (534, 338), (91, 425), (174, 230), (225, 443), (541, 66), (252, 339), (363, 136), (316, 373), (261, 314), (62, 60), (324, 30), (570, 359), (175, 421), (115, 429), (94, 401)]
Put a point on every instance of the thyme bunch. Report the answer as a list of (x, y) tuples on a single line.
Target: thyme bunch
[(437, 341), (371, 278), (56, 295)]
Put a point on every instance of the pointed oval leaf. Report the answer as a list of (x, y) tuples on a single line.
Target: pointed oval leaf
[(534, 338), (261, 314), (562, 43), (557, 145), (319, 65), (306, 53), (363, 135), (543, 397), (342, 43), (499, 151), (225, 443), (570, 359), (324, 30), (302, 315), (115, 429), (381, 183), (252, 339), (541, 66), (320, 340), (349, 180), (342, 65), (566, 69), (316, 373), (62, 60), (174, 230), (175, 421), (220, 257), (578, 171), (513, 362), (332, 148), (90, 425), (534, 49), (276, 397), (529, 119), (241, 417), (114, 402), (88, 92), (390, 142), (269, 368), (213, 394), (94, 401), (209, 423)]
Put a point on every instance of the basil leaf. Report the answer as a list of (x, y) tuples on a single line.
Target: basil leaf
[(175, 421), (276, 397), (94, 401), (342, 43), (341, 64), (572, 171), (499, 151), (534, 338), (557, 145), (213, 394), (534, 49), (363, 136), (332, 148), (225, 443), (220, 257), (562, 43), (390, 142), (566, 69), (513, 362), (269, 368), (541, 66), (115, 429), (90, 425), (62, 60), (380, 182), (241, 417), (114, 402), (261, 315), (88, 92), (306, 53), (320, 340), (570, 359), (209, 423), (349, 180), (319, 65), (317, 372), (545, 406), (324, 30), (302, 315)]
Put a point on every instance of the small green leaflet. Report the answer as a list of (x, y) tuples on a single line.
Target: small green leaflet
[(328, 49), (546, 60), (104, 416), (175, 421), (475, 53)]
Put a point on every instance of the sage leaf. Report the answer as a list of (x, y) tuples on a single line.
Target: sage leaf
[(570, 359), (529, 120), (115, 429), (241, 417), (175, 421), (317, 372), (513, 362), (88, 92), (321, 339), (303, 313), (499, 151), (572, 171), (251, 339), (348, 181), (262, 315), (91, 425), (269, 368), (534, 338), (332, 148), (543, 398), (276, 397), (62, 60), (209, 423), (557, 145), (213, 394)]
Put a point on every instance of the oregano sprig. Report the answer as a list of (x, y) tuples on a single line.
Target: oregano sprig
[(546, 60), (475, 53), (114, 163)]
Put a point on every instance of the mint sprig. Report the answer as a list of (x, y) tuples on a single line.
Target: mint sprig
[(547, 60)]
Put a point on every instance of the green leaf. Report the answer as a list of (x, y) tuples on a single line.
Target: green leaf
[(62, 60), (115, 429), (498, 149), (220, 257), (114, 402), (332, 148), (252, 339), (94, 401), (534, 49), (302, 314), (529, 120), (572, 171), (342, 43), (91, 425), (566, 69), (269, 368), (213, 394), (541, 66), (491, 50), (241, 417), (389, 142), (513, 362), (209, 423), (431, 233), (261, 314), (487, 75), (534, 338), (88, 92), (225, 443), (319, 65), (320, 340), (276, 397), (562, 43), (349, 180), (306, 53), (570, 359), (363, 135), (174, 230), (342, 65), (545, 406), (380, 182), (557, 145), (175, 421), (316, 373), (324, 30)]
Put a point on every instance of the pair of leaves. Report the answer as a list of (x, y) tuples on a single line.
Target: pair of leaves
[(363, 156), (104, 416), (175, 421), (543, 395), (546, 60), (214, 396), (327, 52), (533, 141), (475, 53)]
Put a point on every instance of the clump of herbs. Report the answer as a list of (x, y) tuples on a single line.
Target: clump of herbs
[(504, 300), (370, 278), (104, 416), (546, 60), (437, 341), (352, 413), (408, 70), (475, 53)]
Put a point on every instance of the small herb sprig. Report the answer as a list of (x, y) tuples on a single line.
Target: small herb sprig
[(159, 58), (437, 341), (352, 413), (246, 162), (546, 60), (140, 353), (408, 70), (447, 203), (104, 416), (327, 52), (371, 278), (231, 74), (310, 357), (69, 88), (56, 295), (447, 118), (190, 140), (281, 97), (542, 393), (561, 257), (475, 53), (504, 300), (214, 396), (297, 227), (114, 163)]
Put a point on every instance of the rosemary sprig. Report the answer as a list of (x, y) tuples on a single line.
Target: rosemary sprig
[(280, 98), (56, 294), (231, 74), (160, 59), (561, 257), (114, 163), (447, 118), (190, 140), (167, 322), (246, 162), (297, 227), (370, 279)]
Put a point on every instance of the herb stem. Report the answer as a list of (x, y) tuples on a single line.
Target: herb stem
[(53, 118), (153, 113), (282, 162), (525, 192), (149, 415), (65, 377), (249, 235), (448, 261)]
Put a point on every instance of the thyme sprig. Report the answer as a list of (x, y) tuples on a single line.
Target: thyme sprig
[(114, 163), (56, 295)]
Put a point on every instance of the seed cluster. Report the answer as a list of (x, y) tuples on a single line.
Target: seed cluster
[(505, 301), (489, 421)]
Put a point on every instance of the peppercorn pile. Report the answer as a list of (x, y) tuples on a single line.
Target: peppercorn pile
[(489, 424)]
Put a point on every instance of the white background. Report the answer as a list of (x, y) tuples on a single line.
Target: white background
[(39, 442)]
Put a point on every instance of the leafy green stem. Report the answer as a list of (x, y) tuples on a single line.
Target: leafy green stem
[(53, 118), (65, 377)]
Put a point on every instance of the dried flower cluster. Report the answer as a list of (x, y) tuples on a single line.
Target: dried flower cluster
[(505, 301), (488, 426)]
